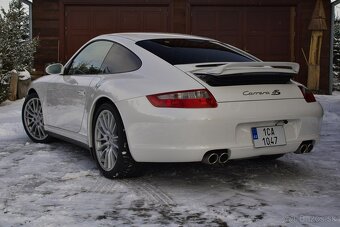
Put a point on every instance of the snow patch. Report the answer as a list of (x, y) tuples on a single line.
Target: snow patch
[(10, 131), (24, 75), (70, 176)]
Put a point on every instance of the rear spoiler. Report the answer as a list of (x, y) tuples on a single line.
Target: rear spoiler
[(234, 68)]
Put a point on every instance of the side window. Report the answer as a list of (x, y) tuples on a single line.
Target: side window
[(90, 59), (120, 60)]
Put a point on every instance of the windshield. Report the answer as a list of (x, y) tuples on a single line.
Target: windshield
[(191, 51)]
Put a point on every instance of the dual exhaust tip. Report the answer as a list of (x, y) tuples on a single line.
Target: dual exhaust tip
[(214, 157), (305, 147), (222, 156)]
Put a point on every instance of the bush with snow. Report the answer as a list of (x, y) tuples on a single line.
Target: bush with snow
[(4, 82), (16, 48)]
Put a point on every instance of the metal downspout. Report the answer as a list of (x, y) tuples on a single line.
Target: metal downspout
[(331, 55), (29, 4)]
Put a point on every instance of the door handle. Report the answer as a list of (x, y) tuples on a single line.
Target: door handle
[(81, 93)]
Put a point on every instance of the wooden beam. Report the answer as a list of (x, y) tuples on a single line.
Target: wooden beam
[(317, 26), (314, 60), (13, 86)]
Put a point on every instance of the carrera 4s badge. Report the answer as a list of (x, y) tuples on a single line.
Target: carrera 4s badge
[(249, 93)]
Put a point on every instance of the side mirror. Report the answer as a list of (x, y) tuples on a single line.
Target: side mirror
[(56, 68)]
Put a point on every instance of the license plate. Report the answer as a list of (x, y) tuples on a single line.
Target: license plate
[(268, 136)]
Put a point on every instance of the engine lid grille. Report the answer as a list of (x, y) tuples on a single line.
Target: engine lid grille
[(253, 78)]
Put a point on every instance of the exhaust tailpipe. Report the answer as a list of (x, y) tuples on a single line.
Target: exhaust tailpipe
[(309, 148), (302, 149), (224, 157), (210, 158)]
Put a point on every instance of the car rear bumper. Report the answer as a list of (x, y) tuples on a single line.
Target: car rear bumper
[(185, 135)]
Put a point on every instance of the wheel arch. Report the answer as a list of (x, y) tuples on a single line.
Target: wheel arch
[(96, 104), (32, 91), (40, 95)]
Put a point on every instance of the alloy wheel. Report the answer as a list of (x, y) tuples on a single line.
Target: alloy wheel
[(106, 140), (33, 119)]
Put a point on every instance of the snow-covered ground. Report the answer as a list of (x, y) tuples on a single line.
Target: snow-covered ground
[(59, 185)]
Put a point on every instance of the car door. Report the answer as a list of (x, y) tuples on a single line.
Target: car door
[(67, 94)]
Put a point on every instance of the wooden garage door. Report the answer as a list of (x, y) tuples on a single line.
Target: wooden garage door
[(85, 22), (266, 32)]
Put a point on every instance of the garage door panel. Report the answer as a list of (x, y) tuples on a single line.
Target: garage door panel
[(78, 19), (218, 23), (229, 26), (256, 20), (85, 22), (262, 31), (155, 21), (130, 20), (280, 20), (278, 48), (204, 22), (103, 18), (256, 44), (229, 20), (78, 23)]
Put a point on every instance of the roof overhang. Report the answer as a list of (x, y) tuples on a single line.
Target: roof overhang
[(335, 2), (27, 2)]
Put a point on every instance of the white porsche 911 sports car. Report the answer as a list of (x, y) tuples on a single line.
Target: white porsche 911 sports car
[(149, 97)]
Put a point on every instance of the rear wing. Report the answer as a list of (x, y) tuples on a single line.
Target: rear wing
[(234, 68)]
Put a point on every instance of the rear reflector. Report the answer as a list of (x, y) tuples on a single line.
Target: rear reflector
[(201, 98), (307, 94)]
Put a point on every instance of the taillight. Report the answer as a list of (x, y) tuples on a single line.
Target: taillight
[(307, 94), (201, 98)]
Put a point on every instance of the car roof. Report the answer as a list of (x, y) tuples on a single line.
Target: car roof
[(136, 36)]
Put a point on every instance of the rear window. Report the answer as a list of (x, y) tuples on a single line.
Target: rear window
[(191, 51)]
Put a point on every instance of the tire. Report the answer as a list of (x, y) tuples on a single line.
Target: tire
[(33, 119), (270, 157), (110, 147)]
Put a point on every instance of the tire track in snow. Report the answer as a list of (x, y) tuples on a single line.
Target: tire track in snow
[(154, 194), (141, 187), (104, 186)]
